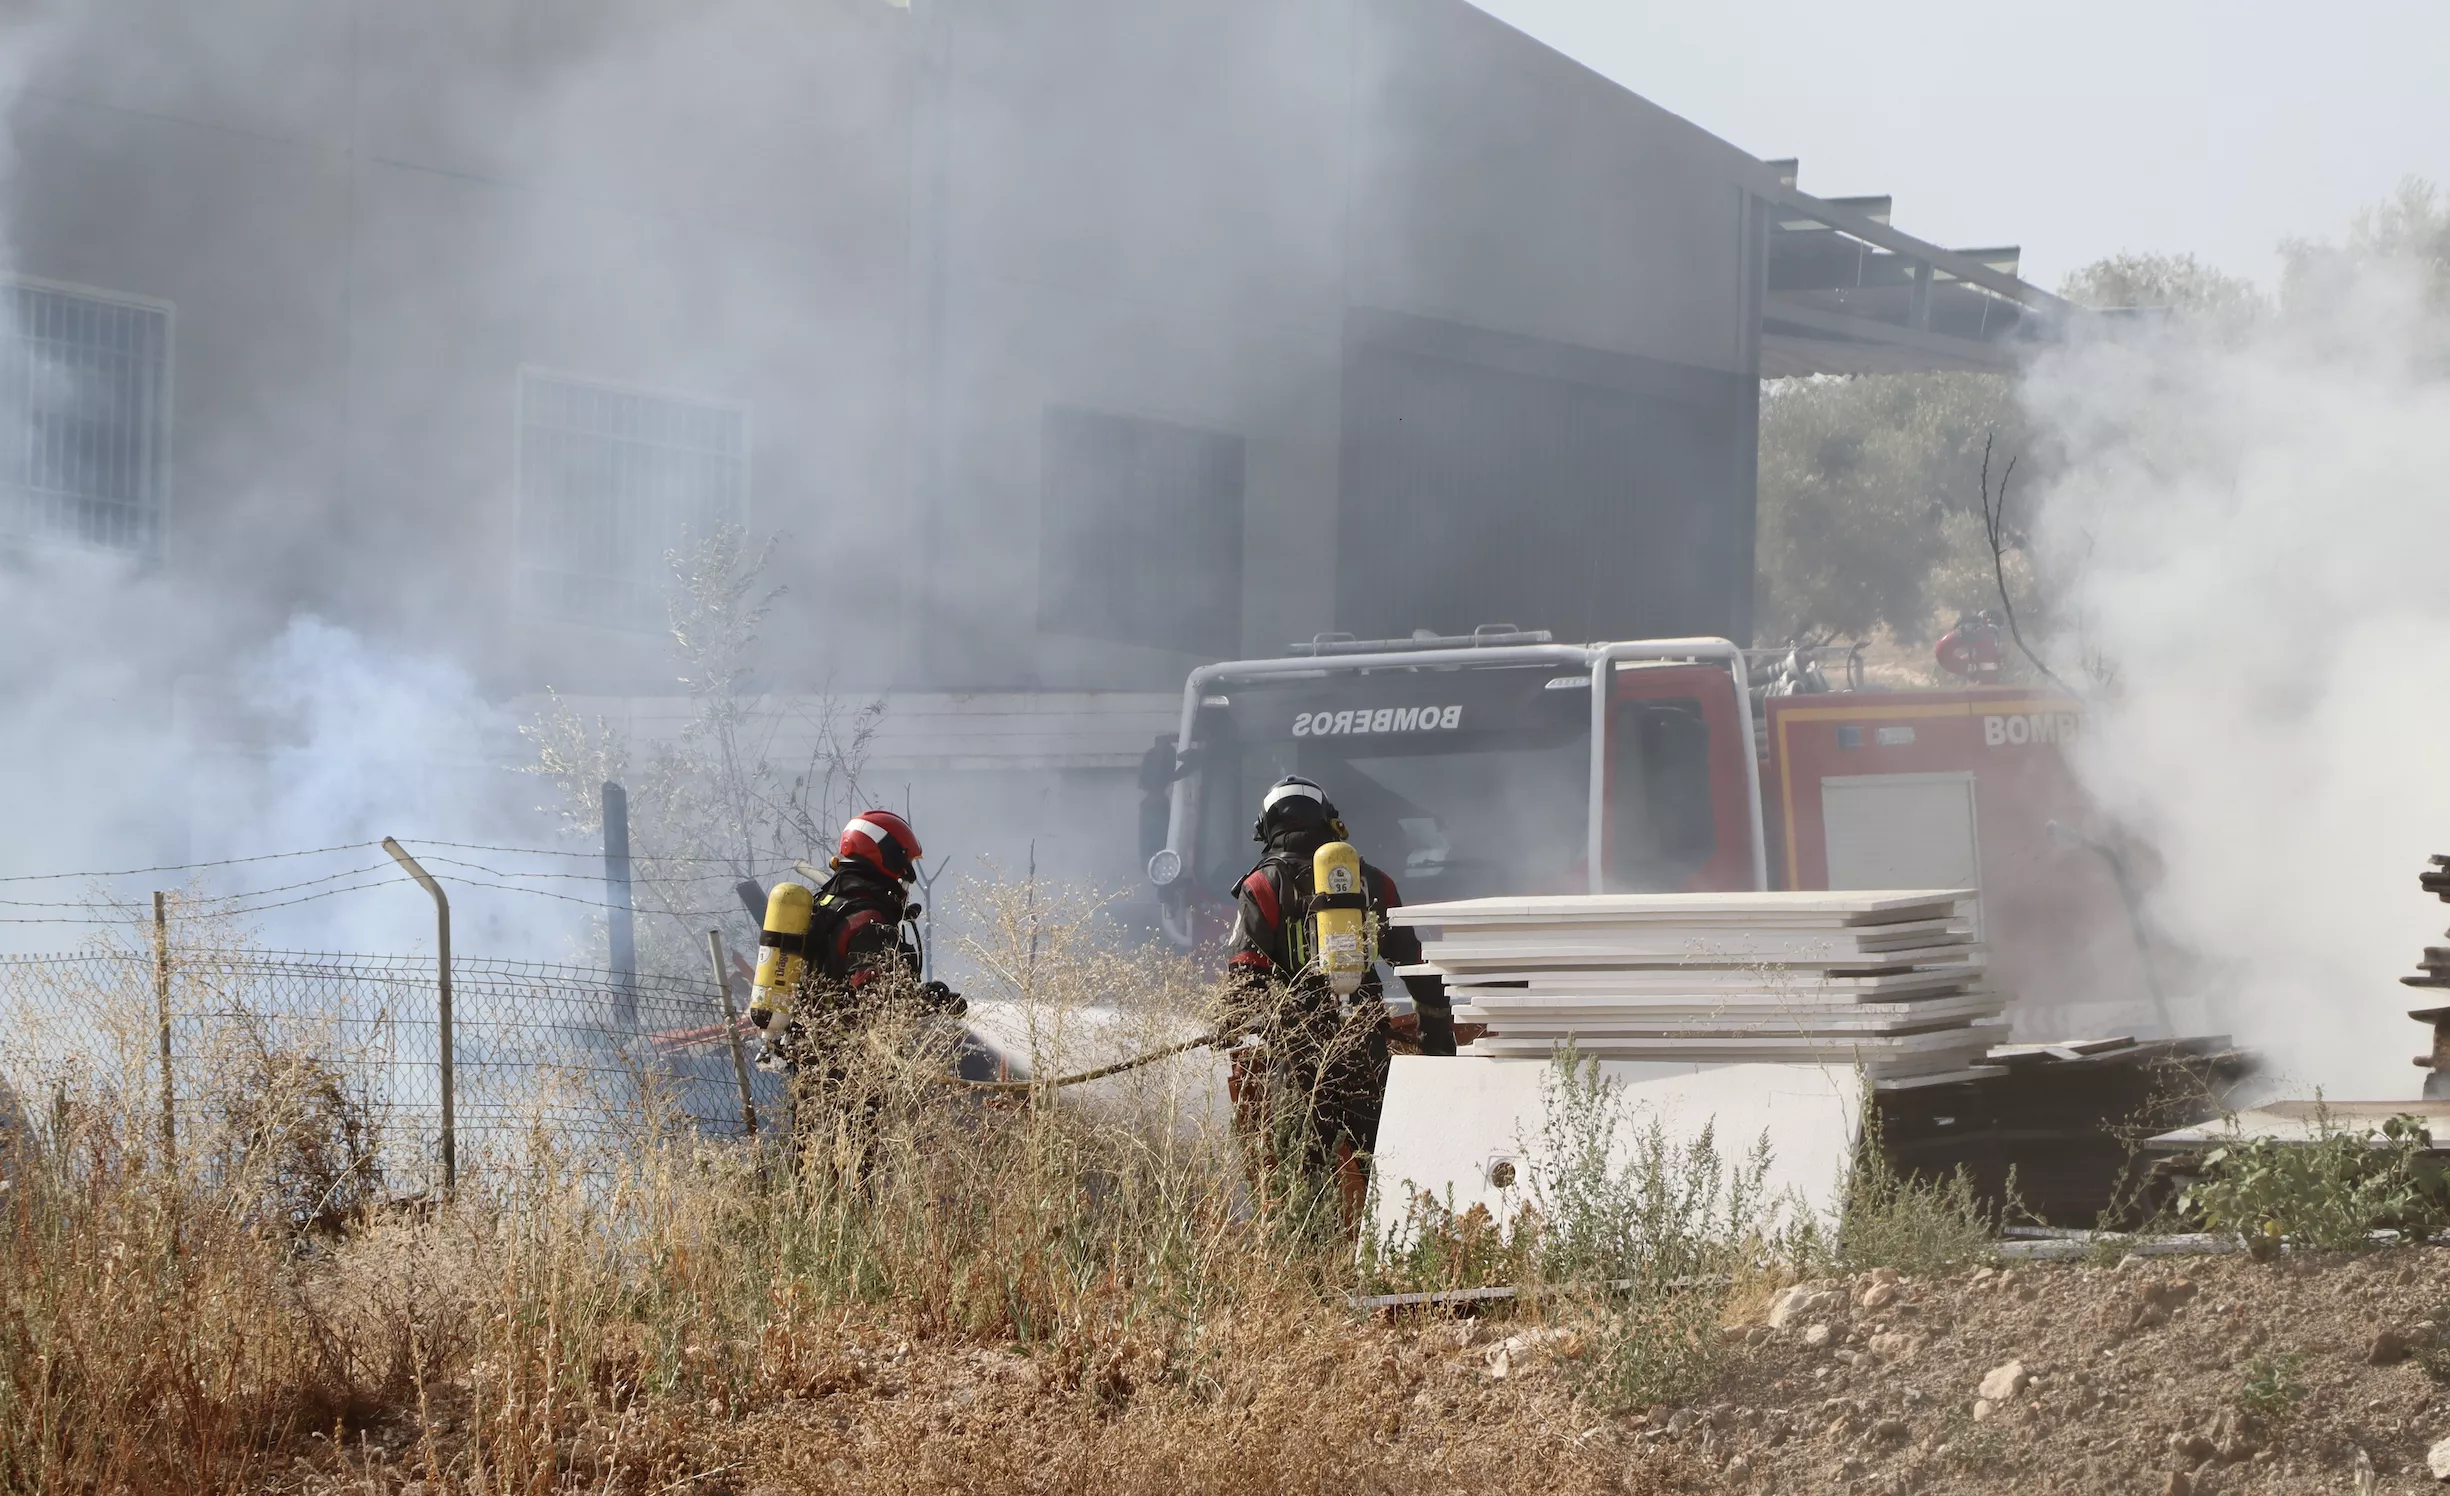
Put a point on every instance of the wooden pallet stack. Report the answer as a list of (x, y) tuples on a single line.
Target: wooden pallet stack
[(1893, 981)]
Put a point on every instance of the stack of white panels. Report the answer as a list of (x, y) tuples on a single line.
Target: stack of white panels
[(1891, 981)]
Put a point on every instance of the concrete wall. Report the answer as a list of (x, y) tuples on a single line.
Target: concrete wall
[(1143, 216), (369, 230), (896, 239), (1552, 346), (714, 207), (1229, 212), (997, 782)]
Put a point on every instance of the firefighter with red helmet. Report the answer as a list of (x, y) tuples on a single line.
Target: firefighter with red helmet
[(1326, 1055), (1971, 649), (830, 957)]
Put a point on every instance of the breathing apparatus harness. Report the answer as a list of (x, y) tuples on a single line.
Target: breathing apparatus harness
[(801, 925), (1336, 935), (1343, 926)]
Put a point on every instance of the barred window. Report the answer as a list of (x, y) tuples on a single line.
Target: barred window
[(1140, 532), (84, 418), (611, 481)]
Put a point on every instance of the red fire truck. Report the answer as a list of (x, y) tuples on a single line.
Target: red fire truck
[(1506, 763)]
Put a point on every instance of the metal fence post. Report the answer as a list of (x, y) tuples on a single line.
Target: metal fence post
[(161, 1004), (442, 1008), (619, 922), (731, 1031)]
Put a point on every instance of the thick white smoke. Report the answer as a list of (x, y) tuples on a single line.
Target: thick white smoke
[(141, 727), (2252, 528), (195, 703), (152, 714)]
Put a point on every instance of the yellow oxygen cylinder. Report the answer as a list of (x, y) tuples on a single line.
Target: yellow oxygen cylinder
[(1340, 912), (782, 951)]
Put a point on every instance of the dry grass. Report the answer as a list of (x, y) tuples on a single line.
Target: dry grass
[(929, 1291)]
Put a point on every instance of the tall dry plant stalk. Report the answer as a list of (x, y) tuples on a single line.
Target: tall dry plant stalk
[(749, 785)]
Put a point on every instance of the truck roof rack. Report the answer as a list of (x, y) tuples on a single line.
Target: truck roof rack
[(1487, 636)]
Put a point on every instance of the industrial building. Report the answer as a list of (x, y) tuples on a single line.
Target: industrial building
[(1064, 347)]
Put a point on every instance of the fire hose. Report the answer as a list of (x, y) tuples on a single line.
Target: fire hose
[(1345, 949), (1232, 1034), (1218, 1040), (787, 914)]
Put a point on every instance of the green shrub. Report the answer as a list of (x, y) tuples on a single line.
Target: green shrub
[(2271, 1384), (1917, 1225), (1643, 1234), (2429, 1346), (1439, 1249), (2330, 1193)]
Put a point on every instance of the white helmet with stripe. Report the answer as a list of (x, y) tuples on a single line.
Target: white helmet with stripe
[(1294, 801)]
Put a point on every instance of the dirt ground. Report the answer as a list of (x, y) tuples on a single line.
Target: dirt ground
[(2187, 1375), (2181, 1375)]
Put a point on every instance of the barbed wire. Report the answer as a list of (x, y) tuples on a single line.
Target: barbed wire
[(110, 913), (107, 911), (185, 897), (417, 965), (562, 851), (115, 913), (385, 865), (312, 897), (67, 919), (191, 867), (187, 867), (59, 904), (595, 877), (546, 893)]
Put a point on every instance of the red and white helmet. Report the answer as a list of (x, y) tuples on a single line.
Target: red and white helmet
[(882, 840)]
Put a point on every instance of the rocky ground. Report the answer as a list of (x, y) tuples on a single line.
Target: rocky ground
[(2187, 1375)]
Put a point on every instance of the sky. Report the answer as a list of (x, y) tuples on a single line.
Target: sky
[(2077, 129)]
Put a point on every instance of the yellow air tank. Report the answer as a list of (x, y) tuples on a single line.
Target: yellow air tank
[(1341, 914), (782, 951)]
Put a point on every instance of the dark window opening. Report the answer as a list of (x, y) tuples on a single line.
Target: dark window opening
[(1662, 827), (1140, 533), (1598, 496), (84, 418), (612, 482)]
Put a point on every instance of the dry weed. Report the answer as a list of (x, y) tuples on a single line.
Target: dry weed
[(906, 1287)]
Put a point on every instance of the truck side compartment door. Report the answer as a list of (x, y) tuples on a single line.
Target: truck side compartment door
[(1675, 815)]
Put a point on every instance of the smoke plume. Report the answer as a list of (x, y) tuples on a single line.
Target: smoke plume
[(129, 745), (2249, 527)]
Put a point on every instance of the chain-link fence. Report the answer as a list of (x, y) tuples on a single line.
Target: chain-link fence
[(567, 1053)]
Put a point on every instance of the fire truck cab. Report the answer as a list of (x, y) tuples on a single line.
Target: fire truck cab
[(1506, 763)]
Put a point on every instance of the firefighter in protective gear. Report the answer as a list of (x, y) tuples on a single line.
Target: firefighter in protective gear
[(1327, 1052), (830, 955)]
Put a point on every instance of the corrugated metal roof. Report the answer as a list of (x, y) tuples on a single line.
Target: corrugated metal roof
[(1847, 293)]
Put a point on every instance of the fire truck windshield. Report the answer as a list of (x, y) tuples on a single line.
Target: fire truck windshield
[(1464, 784), (1450, 822), (1458, 788)]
